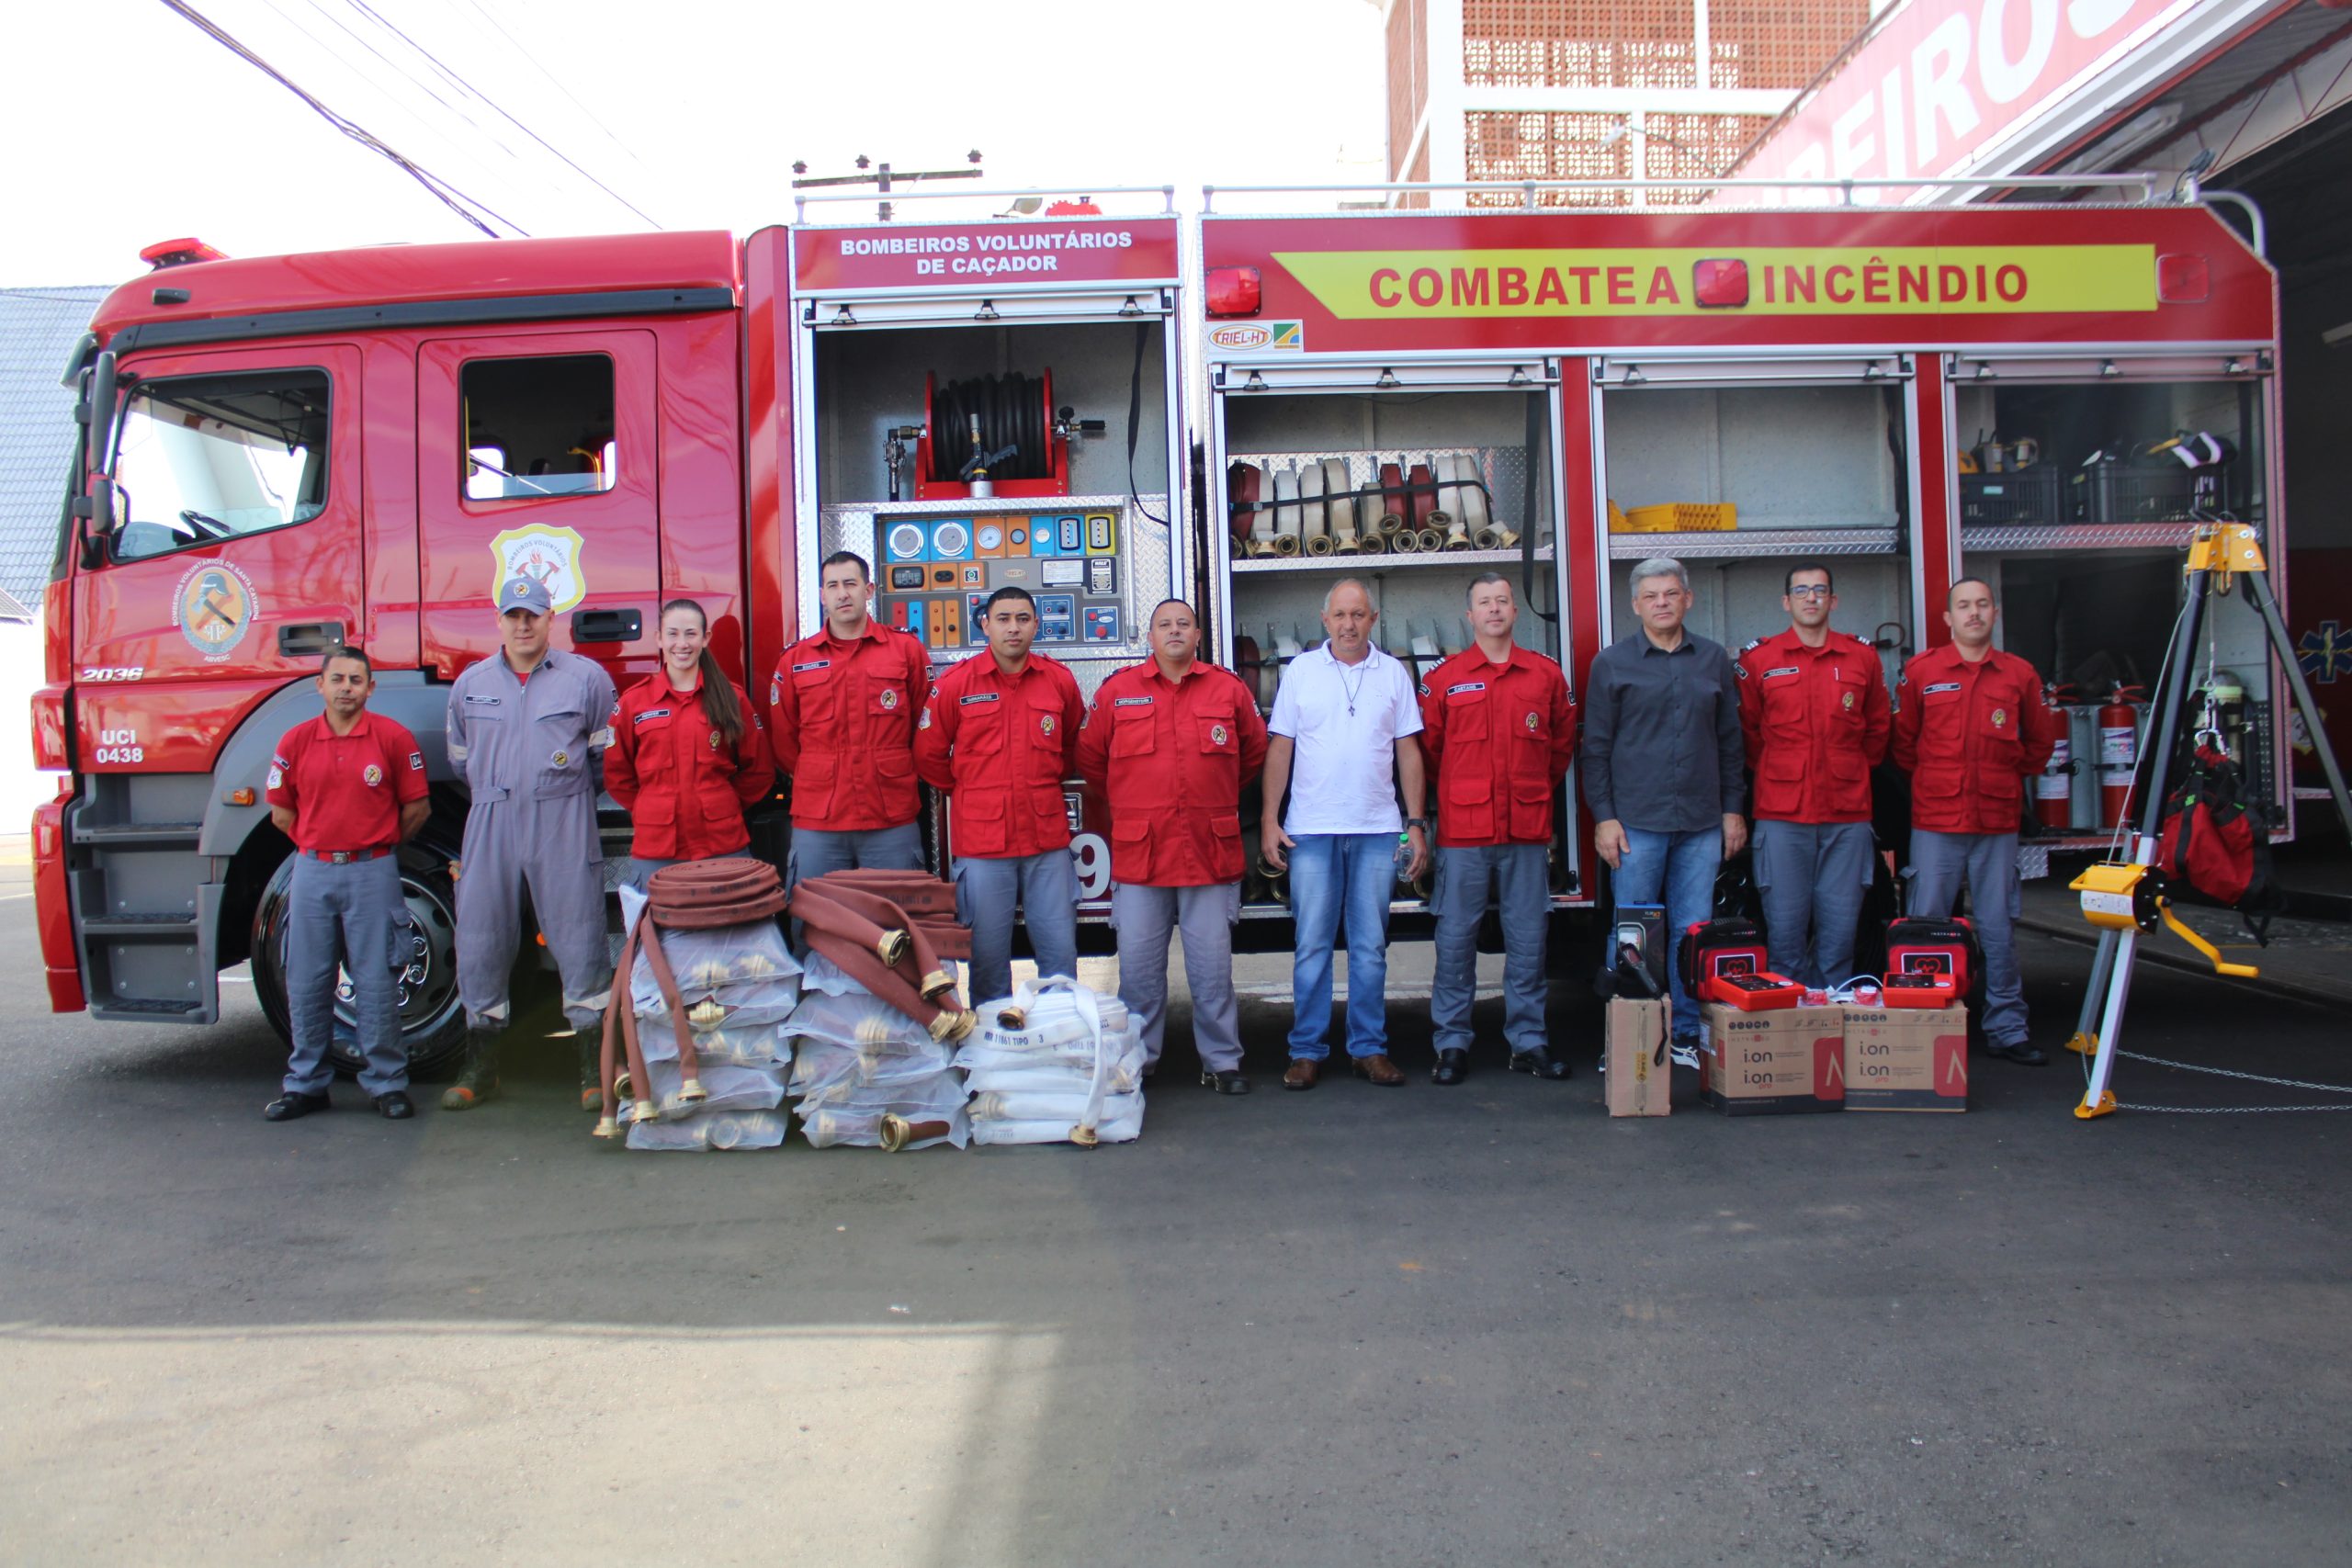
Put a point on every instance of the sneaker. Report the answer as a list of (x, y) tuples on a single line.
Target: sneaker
[(1686, 1054)]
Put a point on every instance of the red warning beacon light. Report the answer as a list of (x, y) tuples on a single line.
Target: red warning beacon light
[(179, 252)]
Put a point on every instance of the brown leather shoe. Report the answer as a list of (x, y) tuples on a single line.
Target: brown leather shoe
[(1378, 1069), (1304, 1071)]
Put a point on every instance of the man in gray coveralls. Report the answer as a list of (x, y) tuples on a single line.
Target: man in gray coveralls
[(526, 726)]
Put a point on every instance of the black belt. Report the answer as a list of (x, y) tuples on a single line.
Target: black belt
[(345, 857)]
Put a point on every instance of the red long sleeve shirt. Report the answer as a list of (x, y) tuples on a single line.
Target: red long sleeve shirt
[(1500, 737), (1815, 721), (1170, 758), (1001, 746), (842, 714), (1970, 734), (685, 789)]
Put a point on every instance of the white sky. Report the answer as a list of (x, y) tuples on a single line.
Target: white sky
[(123, 124)]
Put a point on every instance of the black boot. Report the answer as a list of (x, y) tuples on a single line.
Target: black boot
[(480, 1080), (592, 1069)]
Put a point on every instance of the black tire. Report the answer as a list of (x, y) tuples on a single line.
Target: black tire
[(433, 1019)]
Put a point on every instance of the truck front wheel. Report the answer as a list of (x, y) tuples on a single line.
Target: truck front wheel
[(432, 1020)]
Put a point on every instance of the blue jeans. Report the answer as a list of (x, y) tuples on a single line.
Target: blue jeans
[(1332, 875), (1683, 867), (1522, 882)]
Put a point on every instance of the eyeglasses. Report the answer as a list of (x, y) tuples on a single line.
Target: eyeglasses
[(1810, 590)]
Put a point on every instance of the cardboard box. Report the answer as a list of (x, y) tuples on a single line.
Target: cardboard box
[(1906, 1058), (1641, 1074), (1790, 1059)]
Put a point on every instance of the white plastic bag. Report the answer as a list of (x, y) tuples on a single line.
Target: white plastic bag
[(746, 968), (863, 1128), (820, 1065), (727, 1088), (1067, 1075), (1065, 1105), (716, 1130), (819, 973), (1124, 1128), (759, 1045), (858, 1021), (933, 1096)]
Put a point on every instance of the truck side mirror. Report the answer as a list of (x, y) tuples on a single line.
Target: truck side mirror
[(100, 422)]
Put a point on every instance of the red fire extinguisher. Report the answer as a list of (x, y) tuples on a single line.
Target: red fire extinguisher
[(2053, 791), (2119, 752)]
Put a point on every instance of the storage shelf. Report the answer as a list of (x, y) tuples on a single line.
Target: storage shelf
[(1734, 544), (1373, 565), (2067, 537)]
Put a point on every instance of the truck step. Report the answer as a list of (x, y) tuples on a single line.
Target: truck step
[(143, 1007), (120, 835), (143, 927)]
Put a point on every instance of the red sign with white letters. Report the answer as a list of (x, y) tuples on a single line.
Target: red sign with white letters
[(969, 255)]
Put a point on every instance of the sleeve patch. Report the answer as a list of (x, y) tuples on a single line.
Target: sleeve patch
[(416, 761)]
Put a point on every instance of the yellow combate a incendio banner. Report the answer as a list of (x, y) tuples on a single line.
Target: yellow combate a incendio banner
[(1779, 281)]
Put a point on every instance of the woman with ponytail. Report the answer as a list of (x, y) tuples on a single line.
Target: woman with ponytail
[(688, 753)]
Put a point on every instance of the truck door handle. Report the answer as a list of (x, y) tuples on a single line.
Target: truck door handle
[(309, 639), (607, 625)]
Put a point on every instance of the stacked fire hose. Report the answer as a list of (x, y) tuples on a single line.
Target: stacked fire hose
[(1317, 509), (695, 1046), (1055, 1063), (877, 1032)]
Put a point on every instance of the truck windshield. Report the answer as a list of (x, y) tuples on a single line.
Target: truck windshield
[(210, 458)]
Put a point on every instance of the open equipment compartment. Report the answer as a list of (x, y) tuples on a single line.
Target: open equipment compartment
[(2126, 451), (1053, 334), (1790, 461), (1338, 425)]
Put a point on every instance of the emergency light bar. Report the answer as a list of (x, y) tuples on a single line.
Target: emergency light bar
[(179, 252)]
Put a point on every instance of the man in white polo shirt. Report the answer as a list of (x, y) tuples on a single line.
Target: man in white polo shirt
[(1341, 738)]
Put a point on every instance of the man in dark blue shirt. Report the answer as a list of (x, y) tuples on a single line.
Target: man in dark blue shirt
[(1661, 764)]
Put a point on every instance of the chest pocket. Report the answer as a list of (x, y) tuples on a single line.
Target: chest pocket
[(1041, 719), (560, 736), (886, 706), (1220, 735), (979, 729), (1135, 732), (1468, 715), (815, 693), (1850, 703)]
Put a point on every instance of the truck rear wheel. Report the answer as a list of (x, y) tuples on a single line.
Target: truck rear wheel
[(432, 1020)]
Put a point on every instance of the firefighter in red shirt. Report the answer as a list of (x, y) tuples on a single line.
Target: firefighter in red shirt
[(1169, 743), (347, 787), (687, 754), (1500, 728), (1971, 726), (1814, 711), (842, 710), (999, 734)]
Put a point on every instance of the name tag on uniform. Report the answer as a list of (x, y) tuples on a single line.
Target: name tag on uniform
[(979, 697), (1942, 686), (1466, 686), (651, 713), (1131, 701), (1783, 670), (812, 664), (486, 702)]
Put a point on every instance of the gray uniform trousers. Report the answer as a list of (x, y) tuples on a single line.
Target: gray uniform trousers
[(1143, 917), (815, 854), (1987, 865), (1045, 886), (1520, 875), (552, 846), (1812, 874), (349, 916)]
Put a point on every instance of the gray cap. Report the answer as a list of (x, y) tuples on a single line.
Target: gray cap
[(523, 593)]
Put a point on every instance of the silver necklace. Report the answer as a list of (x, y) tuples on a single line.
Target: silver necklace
[(1363, 671)]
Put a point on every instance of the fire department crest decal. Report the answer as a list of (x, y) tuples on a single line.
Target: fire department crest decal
[(1531, 722), (1847, 701), (548, 555), (1045, 723), (2000, 717), (372, 775), (889, 699), (713, 741), (1216, 734), (217, 606), (561, 759)]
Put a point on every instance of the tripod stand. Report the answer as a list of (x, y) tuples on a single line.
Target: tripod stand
[(2125, 899)]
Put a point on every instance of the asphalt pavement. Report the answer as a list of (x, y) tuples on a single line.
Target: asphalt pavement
[(1358, 1326)]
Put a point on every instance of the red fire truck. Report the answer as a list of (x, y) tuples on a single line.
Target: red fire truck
[(288, 453)]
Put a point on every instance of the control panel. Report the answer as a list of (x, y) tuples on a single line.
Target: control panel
[(937, 572)]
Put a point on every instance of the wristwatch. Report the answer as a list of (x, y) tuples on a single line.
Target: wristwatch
[(1420, 822)]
